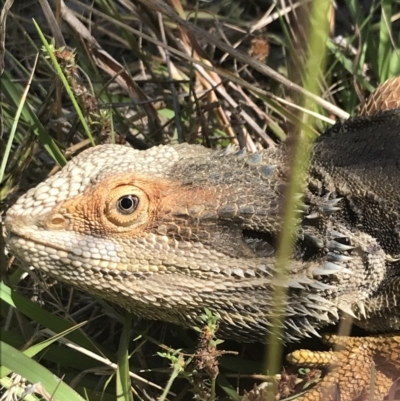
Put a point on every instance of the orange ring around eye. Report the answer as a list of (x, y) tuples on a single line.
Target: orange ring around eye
[(140, 208)]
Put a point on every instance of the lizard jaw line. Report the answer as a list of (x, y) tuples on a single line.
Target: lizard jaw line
[(22, 241)]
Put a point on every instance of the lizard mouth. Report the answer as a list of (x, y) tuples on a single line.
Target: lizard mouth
[(13, 238)]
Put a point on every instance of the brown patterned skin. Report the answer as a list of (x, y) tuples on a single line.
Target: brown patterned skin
[(172, 230)]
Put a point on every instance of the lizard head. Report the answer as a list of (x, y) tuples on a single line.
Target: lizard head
[(171, 230), (162, 228), (182, 193)]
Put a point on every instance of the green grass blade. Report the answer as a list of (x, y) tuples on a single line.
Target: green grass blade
[(15, 122), (32, 371), (385, 45), (123, 379), (13, 94), (47, 319), (313, 70), (35, 349), (60, 73)]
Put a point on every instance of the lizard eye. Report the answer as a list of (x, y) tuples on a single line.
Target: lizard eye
[(127, 204)]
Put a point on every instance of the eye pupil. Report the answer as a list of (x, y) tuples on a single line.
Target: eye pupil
[(127, 204)]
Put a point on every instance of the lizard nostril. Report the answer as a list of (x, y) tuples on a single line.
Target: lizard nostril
[(56, 222)]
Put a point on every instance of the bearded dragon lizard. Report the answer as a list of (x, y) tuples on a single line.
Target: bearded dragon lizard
[(172, 230)]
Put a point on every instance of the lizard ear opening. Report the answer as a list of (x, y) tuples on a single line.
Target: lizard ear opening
[(127, 206)]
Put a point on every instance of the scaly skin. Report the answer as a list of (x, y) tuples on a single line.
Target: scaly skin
[(169, 231), (354, 368)]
